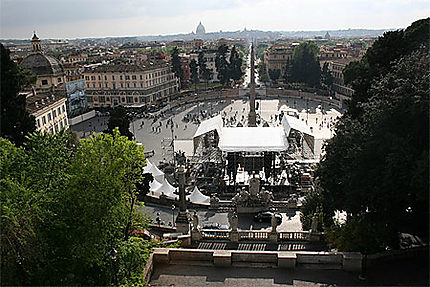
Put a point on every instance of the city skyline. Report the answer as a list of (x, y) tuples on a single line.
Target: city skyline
[(86, 19)]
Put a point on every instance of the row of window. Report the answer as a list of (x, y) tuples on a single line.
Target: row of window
[(127, 77), (131, 99), (50, 116), (127, 84)]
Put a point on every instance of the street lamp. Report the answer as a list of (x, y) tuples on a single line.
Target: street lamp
[(173, 214)]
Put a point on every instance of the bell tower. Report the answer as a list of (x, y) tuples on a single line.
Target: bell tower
[(35, 44)]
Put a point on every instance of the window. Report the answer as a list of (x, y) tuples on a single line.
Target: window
[(49, 117), (56, 128), (64, 108), (127, 77), (141, 77), (102, 99), (44, 82), (133, 77), (113, 77), (61, 125), (106, 85), (59, 80), (134, 84), (100, 85), (93, 78), (38, 123), (94, 85), (136, 99), (129, 99), (43, 120), (120, 77), (141, 84), (105, 78), (100, 78), (54, 114), (122, 85), (88, 85), (65, 122), (87, 78), (113, 85), (59, 111), (51, 130), (128, 85)]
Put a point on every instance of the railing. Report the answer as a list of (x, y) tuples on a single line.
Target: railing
[(293, 236), (253, 235), (215, 234)]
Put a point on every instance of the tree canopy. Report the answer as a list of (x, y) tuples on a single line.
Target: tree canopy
[(376, 166), (119, 118), (305, 67), (230, 69), (16, 122), (66, 206), (176, 65)]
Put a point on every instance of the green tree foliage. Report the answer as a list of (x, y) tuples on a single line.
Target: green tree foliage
[(326, 77), (305, 66), (119, 118), (235, 65), (274, 74), (176, 65), (66, 206), (380, 58), (262, 72), (376, 167), (16, 122), (204, 72), (221, 64)]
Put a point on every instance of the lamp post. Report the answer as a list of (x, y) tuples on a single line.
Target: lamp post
[(173, 214), (113, 256)]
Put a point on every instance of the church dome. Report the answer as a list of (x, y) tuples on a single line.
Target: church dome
[(42, 65), (200, 29)]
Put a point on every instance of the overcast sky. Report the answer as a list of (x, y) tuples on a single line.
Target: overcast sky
[(99, 18)]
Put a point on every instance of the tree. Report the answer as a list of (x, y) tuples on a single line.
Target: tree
[(176, 65), (16, 122), (204, 72), (262, 72), (376, 167), (235, 65), (326, 77), (305, 66), (222, 65), (194, 72), (119, 118), (66, 206), (274, 74), (380, 58)]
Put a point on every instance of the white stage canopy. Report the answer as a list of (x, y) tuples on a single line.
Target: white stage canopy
[(290, 123), (211, 124), (197, 197), (167, 189), (253, 139), (152, 169)]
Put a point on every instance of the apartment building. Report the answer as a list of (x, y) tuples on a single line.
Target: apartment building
[(278, 58), (129, 84)]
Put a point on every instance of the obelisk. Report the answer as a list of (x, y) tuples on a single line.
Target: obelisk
[(182, 224), (251, 115)]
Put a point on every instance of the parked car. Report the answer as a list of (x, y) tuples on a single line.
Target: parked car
[(266, 216)]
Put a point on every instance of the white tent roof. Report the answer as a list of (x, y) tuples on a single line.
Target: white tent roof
[(253, 139), (167, 189), (211, 124), (197, 197), (186, 146), (154, 185), (156, 173), (290, 123)]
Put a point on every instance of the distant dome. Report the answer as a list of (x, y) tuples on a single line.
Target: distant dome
[(42, 65), (200, 29)]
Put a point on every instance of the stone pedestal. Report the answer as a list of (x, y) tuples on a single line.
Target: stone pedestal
[(196, 235), (287, 260), (352, 261), (182, 224), (234, 236), (273, 237), (222, 258)]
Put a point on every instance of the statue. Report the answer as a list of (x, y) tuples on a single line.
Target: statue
[(234, 222), (314, 225), (195, 221), (274, 222), (254, 186)]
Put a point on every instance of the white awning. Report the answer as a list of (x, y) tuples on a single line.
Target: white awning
[(253, 139), (186, 146), (197, 197), (211, 124), (152, 169), (167, 189), (290, 123)]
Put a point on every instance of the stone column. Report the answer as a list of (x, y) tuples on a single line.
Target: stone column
[(195, 232), (252, 115), (182, 224), (273, 235), (234, 234)]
